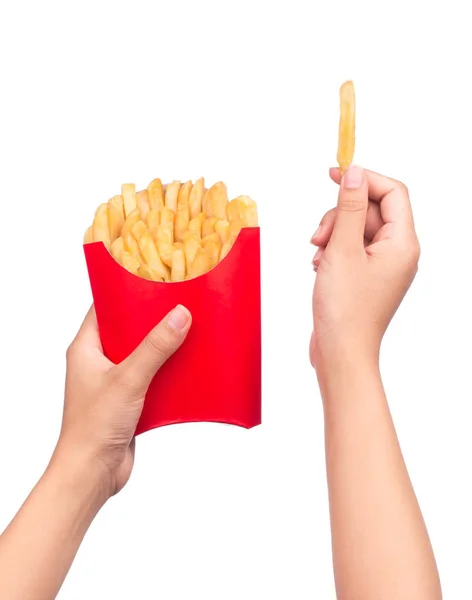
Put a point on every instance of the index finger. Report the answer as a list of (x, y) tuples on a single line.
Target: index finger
[(395, 206)]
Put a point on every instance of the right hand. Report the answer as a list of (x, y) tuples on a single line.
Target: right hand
[(367, 259)]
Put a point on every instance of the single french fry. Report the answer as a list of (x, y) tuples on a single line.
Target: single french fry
[(184, 194), (117, 202), (148, 273), (167, 217), (117, 249), (212, 237), (217, 201), (128, 191), (130, 263), (153, 220), (233, 210), (200, 265), (172, 193), (133, 217), (115, 222), (148, 250), (191, 245), (213, 249), (132, 247), (143, 203), (196, 223), (347, 126), (88, 237), (165, 243), (156, 195), (181, 223), (195, 197), (222, 229), (100, 230), (226, 248), (208, 226), (178, 265), (244, 209)]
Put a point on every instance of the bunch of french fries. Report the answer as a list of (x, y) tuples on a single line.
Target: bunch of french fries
[(173, 232)]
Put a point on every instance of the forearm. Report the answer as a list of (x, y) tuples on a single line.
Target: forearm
[(381, 547), (38, 547)]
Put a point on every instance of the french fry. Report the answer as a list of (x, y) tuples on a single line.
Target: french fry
[(218, 201), (117, 249), (191, 246), (208, 226), (347, 126), (222, 229), (133, 218), (165, 243), (195, 197), (148, 273), (233, 210), (115, 222), (156, 195), (131, 246), (178, 265), (244, 209), (100, 230), (200, 265), (184, 193), (226, 248), (143, 203), (148, 250), (196, 223), (234, 228), (117, 202), (88, 237), (167, 217), (172, 193), (213, 249), (130, 263), (153, 220), (128, 191), (181, 223), (212, 237)]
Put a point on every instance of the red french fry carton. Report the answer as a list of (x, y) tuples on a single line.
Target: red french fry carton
[(216, 374)]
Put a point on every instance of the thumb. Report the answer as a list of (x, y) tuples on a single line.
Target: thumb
[(351, 214), (159, 345)]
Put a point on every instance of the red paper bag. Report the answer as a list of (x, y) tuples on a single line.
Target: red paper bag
[(216, 374)]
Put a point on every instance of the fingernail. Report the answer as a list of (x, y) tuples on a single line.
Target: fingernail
[(178, 318), (316, 234), (353, 177)]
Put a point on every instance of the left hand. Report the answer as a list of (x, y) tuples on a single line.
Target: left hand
[(103, 401)]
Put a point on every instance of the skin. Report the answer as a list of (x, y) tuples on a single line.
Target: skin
[(367, 259), (93, 459)]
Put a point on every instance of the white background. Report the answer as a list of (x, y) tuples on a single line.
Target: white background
[(94, 94)]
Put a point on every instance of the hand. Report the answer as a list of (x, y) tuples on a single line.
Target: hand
[(103, 401), (367, 259)]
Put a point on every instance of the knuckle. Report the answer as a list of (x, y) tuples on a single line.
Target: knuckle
[(351, 203), (161, 341), (402, 188), (71, 352)]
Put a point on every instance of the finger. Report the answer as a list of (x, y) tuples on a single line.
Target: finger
[(349, 226), (159, 345), (317, 258), (88, 333), (373, 223), (395, 206)]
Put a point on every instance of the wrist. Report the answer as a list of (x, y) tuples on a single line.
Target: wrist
[(82, 473)]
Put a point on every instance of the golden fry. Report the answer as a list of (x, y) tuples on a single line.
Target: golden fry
[(165, 243), (196, 223), (100, 230), (131, 246), (153, 220), (167, 217), (191, 245), (208, 226), (184, 193), (195, 197), (117, 249), (88, 237), (130, 263), (347, 126), (128, 191), (215, 201), (201, 264), (133, 218), (212, 237), (148, 273), (143, 203), (117, 202), (115, 222), (172, 193), (213, 249), (222, 229), (149, 251), (181, 223), (178, 265), (156, 195), (245, 209), (226, 248)]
